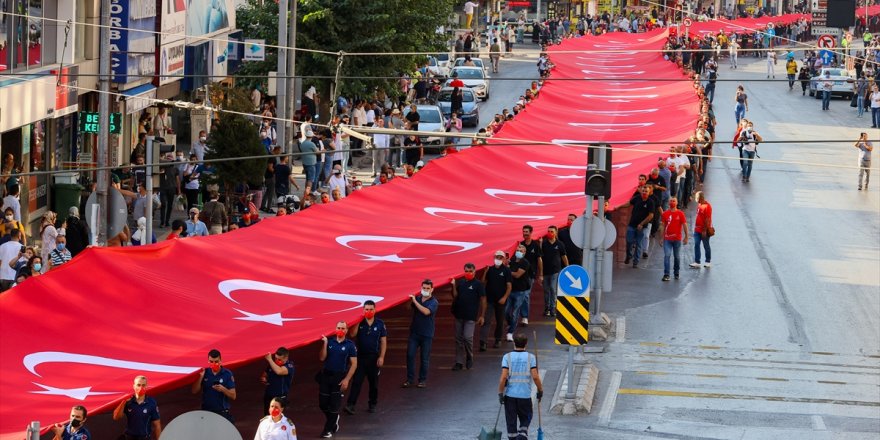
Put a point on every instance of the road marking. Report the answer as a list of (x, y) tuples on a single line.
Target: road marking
[(698, 395), (818, 423), (766, 350), (823, 353), (710, 347), (652, 373), (712, 376), (653, 344), (610, 399), (831, 382), (775, 379), (621, 329), (541, 373), (755, 361)]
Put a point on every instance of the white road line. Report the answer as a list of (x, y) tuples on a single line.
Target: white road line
[(818, 423), (621, 329), (541, 373), (610, 399)]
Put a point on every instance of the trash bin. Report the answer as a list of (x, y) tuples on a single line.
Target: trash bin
[(65, 196)]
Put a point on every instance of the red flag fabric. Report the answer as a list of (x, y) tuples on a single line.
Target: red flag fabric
[(79, 334), (744, 25)]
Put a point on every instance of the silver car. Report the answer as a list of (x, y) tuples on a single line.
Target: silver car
[(843, 83), (473, 78), (430, 119)]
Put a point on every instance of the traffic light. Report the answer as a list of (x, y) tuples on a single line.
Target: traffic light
[(598, 183)]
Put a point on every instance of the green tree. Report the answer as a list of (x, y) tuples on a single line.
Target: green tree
[(235, 136), (258, 19)]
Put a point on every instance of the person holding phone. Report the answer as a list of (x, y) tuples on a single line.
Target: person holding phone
[(217, 386)]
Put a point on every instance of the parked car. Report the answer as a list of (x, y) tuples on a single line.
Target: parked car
[(430, 119), (472, 77), (843, 83), (470, 109), (478, 62), (436, 68)]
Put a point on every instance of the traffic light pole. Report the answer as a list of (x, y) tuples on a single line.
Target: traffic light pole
[(101, 156), (281, 79), (151, 144), (595, 317)]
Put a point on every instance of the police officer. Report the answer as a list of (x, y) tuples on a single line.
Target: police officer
[(141, 414), (278, 376), (339, 356), (518, 370), (217, 386), (371, 338), (73, 430)]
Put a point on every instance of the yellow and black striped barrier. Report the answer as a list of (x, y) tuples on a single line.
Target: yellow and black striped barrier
[(572, 320)]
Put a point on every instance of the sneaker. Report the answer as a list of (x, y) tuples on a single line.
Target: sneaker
[(524, 322), (860, 187), (676, 276), (644, 255), (349, 409), (635, 265), (553, 313), (510, 337), (546, 313), (497, 344), (483, 346), (406, 384), (372, 409), (327, 434), (707, 265), (695, 265), (422, 385), (457, 367), (665, 278), (469, 364), (626, 261)]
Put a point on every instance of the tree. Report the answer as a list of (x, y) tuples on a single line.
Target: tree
[(258, 19), (235, 136)]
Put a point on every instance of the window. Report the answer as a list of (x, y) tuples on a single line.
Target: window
[(26, 39), (5, 21)]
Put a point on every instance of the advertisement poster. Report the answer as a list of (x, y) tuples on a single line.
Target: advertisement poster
[(209, 17), (172, 41)]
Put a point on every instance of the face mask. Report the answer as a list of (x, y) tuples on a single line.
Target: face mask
[(38, 266), (498, 262), (369, 314), (279, 362), (180, 159), (673, 205), (383, 179), (468, 276), (9, 218), (340, 333), (141, 392), (519, 254), (215, 368), (75, 423), (203, 139), (337, 172), (60, 247), (276, 412), (426, 293)]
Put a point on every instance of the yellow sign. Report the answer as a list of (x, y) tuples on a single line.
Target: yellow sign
[(572, 320)]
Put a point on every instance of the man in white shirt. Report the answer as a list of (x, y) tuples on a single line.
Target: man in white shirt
[(381, 151), (201, 146), (9, 251), (11, 201), (469, 11), (338, 181)]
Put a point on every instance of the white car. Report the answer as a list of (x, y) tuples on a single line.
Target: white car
[(478, 62), (439, 64), (430, 119), (843, 83), (473, 78)]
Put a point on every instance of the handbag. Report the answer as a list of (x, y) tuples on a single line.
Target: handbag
[(710, 230)]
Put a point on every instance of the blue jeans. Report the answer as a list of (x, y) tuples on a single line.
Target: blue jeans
[(633, 239), (747, 164), (311, 174), (710, 91), (524, 310), (875, 117), (671, 247), (704, 239), (514, 305), (860, 104), (549, 285), (416, 342), (328, 166), (826, 99), (740, 111)]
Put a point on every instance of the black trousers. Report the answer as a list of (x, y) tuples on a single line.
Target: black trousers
[(167, 197), (518, 414), (330, 397), (496, 311), (366, 368)]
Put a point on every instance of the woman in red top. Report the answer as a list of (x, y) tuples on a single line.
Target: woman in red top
[(701, 228)]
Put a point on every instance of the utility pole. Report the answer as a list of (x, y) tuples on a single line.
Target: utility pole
[(104, 123), (291, 72), (151, 144), (281, 79)]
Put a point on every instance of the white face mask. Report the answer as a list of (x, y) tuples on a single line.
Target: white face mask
[(426, 293), (498, 262), (203, 139)]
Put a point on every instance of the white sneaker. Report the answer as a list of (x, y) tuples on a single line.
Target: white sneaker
[(695, 265), (707, 265), (524, 321), (510, 337)]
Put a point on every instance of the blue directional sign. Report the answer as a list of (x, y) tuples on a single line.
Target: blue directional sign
[(573, 281), (826, 56)]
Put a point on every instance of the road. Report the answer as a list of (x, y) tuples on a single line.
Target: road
[(779, 339)]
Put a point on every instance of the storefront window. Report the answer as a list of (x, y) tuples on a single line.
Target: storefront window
[(25, 39), (35, 32), (5, 21)]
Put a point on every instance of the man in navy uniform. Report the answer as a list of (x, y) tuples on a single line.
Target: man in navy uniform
[(217, 386), (421, 333), (278, 376), (74, 430), (141, 414), (339, 356), (371, 338)]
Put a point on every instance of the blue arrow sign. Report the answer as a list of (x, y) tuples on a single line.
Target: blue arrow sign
[(573, 281), (255, 48), (826, 56)]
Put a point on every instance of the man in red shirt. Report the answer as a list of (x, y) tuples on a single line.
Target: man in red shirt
[(702, 225), (674, 228)]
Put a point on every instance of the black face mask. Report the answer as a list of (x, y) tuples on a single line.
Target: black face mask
[(76, 423)]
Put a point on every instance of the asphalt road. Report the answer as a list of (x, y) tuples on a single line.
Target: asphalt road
[(779, 339)]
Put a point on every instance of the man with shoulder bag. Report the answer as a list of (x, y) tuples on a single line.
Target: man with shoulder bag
[(214, 214)]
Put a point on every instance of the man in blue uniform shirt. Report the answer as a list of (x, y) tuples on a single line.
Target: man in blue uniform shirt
[(339, 356), (278, 376), (372, 339), (217, 386), (141, 414), (74, 430), (421, 333), (519, 369)]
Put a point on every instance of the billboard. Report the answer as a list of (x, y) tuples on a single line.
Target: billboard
[(206, 18), (132, 39), (172, 40)]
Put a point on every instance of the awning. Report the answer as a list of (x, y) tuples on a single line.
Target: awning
[(139, 98)]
